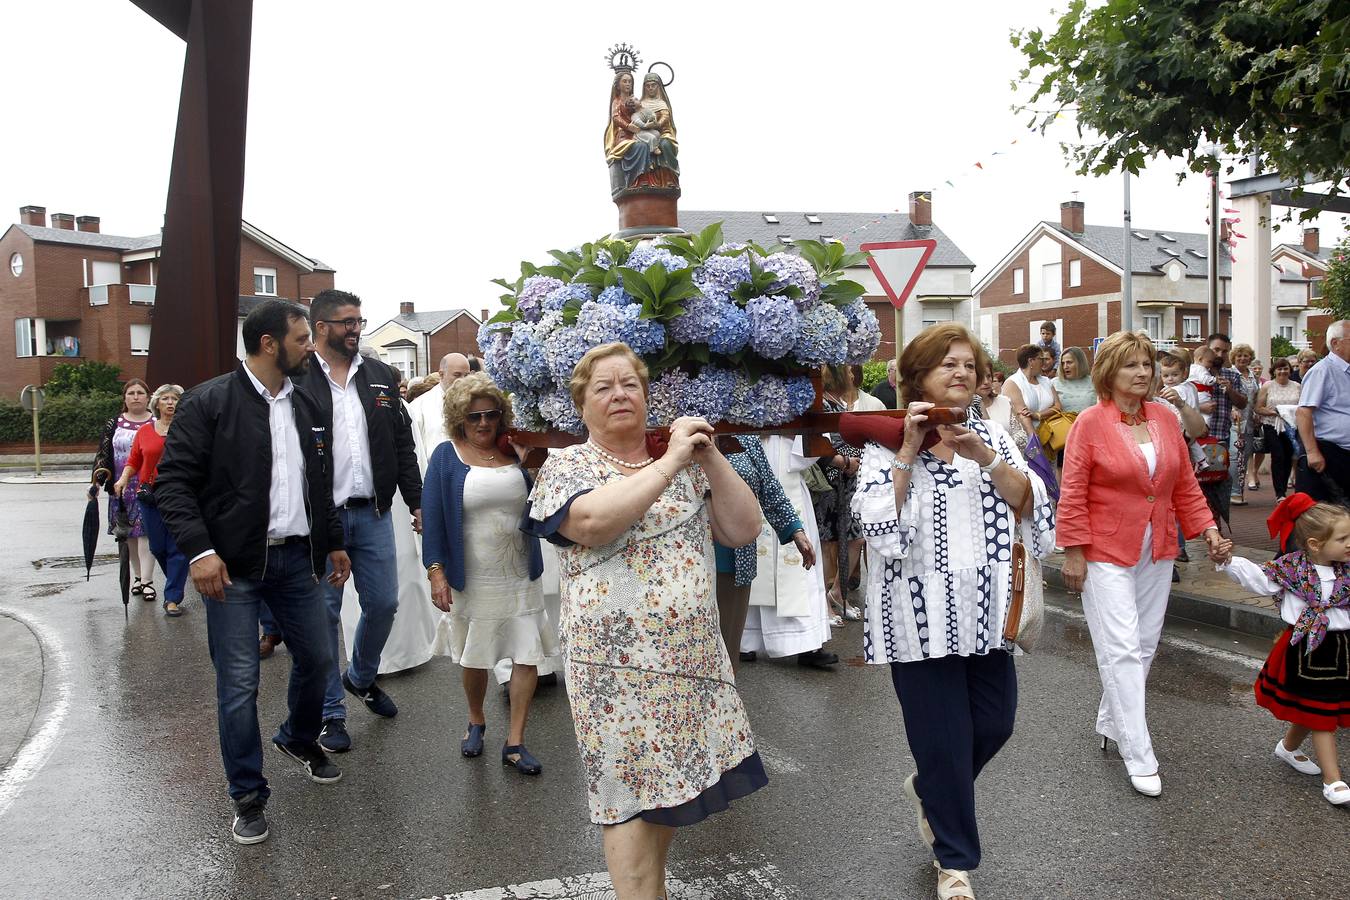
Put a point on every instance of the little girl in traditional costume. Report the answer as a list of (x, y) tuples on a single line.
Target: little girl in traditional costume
[(1306, 678)]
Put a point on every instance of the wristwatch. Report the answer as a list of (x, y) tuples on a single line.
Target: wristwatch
[(901, 465)]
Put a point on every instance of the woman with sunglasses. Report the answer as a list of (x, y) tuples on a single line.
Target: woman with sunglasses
[(483, 569)]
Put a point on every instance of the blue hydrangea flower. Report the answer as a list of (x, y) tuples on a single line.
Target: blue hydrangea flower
[(559, 296), (530, 300), (719, 275), (761, 403), (527, 358), (709, 393), (499, 364), (698, 322), (558, 409), (564, 348), (600, 323), (864, 332), (603, 259), (644, 257), (733, 330), (614, 295), (801, 393), (645, 336), (824, 337), (775, 325), (490, 333), (525, 405), (795, 271)]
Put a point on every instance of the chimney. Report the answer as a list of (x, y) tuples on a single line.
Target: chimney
[(485, 316), (33, 215), (64, 221), (921, 208), (1071, 216), (87, 223), (1225, 233), (405, 308), (1311, 241)]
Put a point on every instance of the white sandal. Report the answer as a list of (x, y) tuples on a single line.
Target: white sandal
[(925, 830), (953, 884), (1337, 793)]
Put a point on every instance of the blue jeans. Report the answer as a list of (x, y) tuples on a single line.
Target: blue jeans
[(267, 621), (370, 544), (166, 553), (288, 587)]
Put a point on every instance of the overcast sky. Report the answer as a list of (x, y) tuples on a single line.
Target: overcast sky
[(423, 148)]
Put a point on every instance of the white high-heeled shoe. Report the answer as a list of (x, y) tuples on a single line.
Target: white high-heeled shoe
[(1148, 785), (1304, 765)]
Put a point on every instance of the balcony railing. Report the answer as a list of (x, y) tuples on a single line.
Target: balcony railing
[(102, 294)]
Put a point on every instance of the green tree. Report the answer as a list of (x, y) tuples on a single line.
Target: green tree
[(1280, 347), (1336, 286), (1264, 79), (83, 379)]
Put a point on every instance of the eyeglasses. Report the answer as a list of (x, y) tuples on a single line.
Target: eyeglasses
[(349, 324), (487, 415)]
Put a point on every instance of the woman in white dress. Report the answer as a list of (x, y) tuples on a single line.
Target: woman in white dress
[(1030, 392), (483, 570)]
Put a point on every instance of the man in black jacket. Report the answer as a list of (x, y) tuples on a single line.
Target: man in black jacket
[(372, 453), (246, 488)]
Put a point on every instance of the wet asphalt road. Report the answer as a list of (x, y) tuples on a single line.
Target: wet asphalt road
[(125, 797)]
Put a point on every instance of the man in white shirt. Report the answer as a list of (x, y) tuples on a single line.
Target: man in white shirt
[(246, 488), (428, 410), (372, 455)]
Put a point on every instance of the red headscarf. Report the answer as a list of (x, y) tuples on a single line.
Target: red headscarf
[(1281, 521)]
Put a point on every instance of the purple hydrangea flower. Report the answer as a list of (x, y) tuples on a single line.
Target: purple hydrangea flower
[(530, 300), (558, 297), (558, 409), (719, 275), (864, 332), (498, 363), (614, 295), (644, 257), (645, 336), (794, 271), (733, 330), (665, 397), (775, 325), (824, 337)]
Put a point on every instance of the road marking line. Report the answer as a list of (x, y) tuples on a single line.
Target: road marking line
[(731, 879), (35, 750), (1191, 646)]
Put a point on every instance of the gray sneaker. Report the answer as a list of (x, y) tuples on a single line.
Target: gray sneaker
[(250, 825), (313, 760)]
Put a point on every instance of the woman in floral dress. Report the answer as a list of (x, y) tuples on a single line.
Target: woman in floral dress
[(113, 452), (661, 731)]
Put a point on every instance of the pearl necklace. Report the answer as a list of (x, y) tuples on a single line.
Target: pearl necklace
[(614, 459)]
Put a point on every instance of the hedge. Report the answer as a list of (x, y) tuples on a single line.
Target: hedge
[(63, 420)]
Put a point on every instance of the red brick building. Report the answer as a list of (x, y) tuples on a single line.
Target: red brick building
[(74, 293), (414, 342)]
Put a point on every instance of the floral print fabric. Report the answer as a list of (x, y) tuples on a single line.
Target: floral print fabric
[(1294, 573), (654, 702)]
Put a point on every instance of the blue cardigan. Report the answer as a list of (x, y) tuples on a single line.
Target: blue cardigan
[(443, 517)]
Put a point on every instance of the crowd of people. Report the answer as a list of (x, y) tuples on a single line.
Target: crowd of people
[(647, 573)]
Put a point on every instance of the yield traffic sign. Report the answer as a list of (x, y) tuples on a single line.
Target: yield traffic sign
[(898, 264)]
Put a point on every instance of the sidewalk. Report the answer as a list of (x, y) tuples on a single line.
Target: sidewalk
[(1207, 596)]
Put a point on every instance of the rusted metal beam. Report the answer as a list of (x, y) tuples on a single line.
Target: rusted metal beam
[(197, 299)]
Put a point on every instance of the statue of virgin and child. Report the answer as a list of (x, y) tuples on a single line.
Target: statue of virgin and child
[(640, 139)]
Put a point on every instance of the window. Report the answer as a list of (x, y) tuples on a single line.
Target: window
[(1287, 332), (405, 360), (1051, 285), (140, 340), (1166, 237), (106, 272), (770, 219), (265, 282), (25, 342), (1019, 279), (1153, 326), (1315, 289), (16, 264), (1075, 273), (785, 239), (812, 219), (935, 315), (1190, 328)]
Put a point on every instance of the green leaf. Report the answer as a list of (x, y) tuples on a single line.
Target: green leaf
[(506, 315), (842, 293), (558, 272), (571, 309), (656, 277), (636, 285)]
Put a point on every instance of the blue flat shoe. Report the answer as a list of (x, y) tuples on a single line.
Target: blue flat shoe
[(524, 761), (473, 744)]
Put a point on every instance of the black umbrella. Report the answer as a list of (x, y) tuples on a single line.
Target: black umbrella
[(122, 532), (90, 532)]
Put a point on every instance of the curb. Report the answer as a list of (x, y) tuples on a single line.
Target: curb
[(1195, 607)]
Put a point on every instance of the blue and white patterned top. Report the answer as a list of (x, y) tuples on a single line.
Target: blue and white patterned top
[(753, 467), (943, 577)]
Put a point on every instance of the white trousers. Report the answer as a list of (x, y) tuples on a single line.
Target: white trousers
[(1125, 608)]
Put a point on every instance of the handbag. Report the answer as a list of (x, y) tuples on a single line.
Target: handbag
[(1026, 606), (1215, 467), (815, 479), (145, 496), (1054, 430)]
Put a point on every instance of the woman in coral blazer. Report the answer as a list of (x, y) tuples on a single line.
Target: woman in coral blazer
[(1127, 480)]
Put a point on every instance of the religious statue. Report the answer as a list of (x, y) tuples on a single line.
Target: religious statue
[(641, 147)]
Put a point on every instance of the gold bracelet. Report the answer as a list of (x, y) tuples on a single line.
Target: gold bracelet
[(664, 474), (434, 567)]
